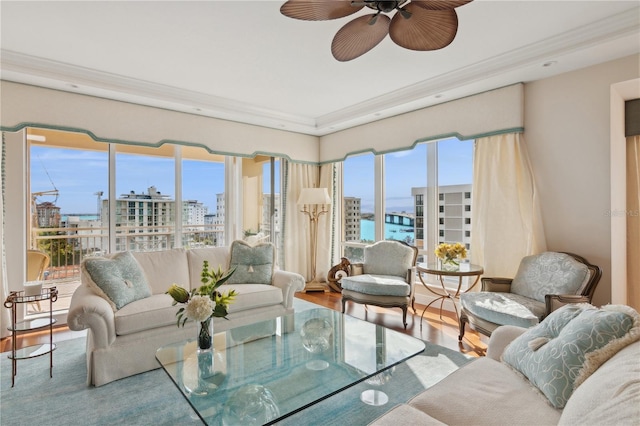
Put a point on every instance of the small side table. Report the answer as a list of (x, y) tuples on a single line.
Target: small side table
[(13, 300), (466, 270)]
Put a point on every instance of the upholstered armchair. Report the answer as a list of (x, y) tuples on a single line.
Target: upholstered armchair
[(384, 279), (543, 283)]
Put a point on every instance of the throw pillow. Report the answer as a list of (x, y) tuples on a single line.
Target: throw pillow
[(119, 279), (560, 353), (254, 264)]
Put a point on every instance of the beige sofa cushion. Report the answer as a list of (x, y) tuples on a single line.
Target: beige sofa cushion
[(611, 395), (216, 256), (163, 268), (486, 392), (146, 314), (252, 296), (404, 414), (157, 311)]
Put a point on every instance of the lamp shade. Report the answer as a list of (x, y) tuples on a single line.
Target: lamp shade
[(314, 196)]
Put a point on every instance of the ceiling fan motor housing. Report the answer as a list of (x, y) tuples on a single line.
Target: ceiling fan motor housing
[(383, 6)]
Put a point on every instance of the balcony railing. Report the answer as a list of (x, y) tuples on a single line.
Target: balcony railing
[(68, 247)]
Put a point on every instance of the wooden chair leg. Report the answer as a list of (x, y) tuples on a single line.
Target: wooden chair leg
[(404, 316), (462, 326)]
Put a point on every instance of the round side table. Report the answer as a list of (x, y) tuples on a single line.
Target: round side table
[(465, 270)]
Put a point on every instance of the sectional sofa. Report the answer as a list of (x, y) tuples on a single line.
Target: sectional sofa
[(123, 305), (560, 372)]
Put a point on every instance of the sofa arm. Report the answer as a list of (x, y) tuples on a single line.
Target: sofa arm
[(496, 285), (289, 283), (500, 338), (90, 311), (555, 301)]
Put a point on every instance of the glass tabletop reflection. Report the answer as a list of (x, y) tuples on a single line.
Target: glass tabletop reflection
[(264, 372)]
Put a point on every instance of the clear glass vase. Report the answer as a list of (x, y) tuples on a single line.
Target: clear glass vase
[(450, 264), (205, 335)]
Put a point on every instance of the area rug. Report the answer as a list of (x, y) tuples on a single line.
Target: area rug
[(152, 399)]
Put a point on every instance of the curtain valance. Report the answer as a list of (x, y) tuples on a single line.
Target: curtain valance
[(121, 122)]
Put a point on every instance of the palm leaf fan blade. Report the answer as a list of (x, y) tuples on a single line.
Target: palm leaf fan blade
[(424, 29), (359, 36), (318, 10), (440, 4)]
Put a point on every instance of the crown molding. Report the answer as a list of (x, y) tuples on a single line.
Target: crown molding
[(21, 68), (612, 28)]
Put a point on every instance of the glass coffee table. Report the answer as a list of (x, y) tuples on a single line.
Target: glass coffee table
[(264, 372)]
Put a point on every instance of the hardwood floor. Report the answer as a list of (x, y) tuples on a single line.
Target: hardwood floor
[(443, 332)]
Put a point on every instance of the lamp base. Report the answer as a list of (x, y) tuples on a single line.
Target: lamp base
[(315, 286)]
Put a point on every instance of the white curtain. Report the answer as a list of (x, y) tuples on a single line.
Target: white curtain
[(337, 219), (633, 221), (507, 222), (297, 239), (5, 317)]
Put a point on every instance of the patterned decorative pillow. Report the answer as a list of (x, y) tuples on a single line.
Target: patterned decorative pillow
[(254, 264), (562, 351), (118, 279)]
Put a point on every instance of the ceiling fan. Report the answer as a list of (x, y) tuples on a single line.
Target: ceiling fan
[(416, 25)]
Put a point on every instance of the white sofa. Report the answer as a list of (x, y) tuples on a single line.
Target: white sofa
[(123, 342), (487, 391)]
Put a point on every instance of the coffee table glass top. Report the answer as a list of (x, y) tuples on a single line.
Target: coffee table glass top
[(264, 372)]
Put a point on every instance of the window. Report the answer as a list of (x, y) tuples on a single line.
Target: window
[(70, 206), (202, 181), (145, 184), (68, 176), (359, 217), (403, 171)]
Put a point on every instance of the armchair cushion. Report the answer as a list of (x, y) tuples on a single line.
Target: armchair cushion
[(119, 280), (549, 273), (503, 308), (388, 258), (382, 285), (254, 264), (571, 343)]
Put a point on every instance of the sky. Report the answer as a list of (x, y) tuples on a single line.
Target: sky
[(79, 175), (405, 170)]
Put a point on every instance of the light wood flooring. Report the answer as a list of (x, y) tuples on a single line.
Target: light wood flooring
[(440, 331)]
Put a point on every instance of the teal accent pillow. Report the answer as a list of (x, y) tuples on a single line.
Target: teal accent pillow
[(254, 264), (558, 354), (118, 279)]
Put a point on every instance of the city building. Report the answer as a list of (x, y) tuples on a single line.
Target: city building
[(454, 214), (352, 218), (48, 215)]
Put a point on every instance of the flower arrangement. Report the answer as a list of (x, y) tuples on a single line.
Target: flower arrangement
[(450, 253), (204, 302)]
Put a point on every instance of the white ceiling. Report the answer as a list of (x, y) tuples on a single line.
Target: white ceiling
[(244, 61)]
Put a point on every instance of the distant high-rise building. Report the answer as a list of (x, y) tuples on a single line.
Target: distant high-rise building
[(352, 218), (266, 214), (151, 214), (193, 212), (48, 215), (454, 214)]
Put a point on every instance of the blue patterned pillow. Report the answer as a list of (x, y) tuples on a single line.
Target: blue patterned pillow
[(118, 279), (558, 354), (254, 264)]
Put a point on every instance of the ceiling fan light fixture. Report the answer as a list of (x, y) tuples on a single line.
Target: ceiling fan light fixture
[(417, 24)]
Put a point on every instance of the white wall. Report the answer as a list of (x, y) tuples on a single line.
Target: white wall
[(568, 137)]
